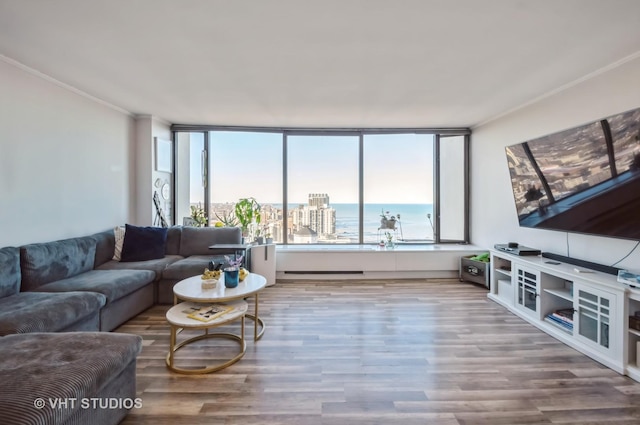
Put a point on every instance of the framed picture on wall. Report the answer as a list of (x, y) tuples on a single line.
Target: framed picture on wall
[(163, 155)]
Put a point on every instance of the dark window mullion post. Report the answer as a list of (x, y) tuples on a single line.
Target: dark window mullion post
[(467, 191), (361, 189), (207, 173), (436, 188), (285, 209), (174, 179)]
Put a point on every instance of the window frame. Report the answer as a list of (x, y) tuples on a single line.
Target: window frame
[(360, 133)]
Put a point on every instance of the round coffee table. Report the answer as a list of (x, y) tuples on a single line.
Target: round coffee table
[(190, 289), (178, 318)]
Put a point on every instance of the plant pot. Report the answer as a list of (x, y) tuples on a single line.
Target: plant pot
[(260, 240), (231, 277), (268, 240), (387, 224)]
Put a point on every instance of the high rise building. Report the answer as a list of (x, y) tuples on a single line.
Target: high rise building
[(317, 216), (320, 200)]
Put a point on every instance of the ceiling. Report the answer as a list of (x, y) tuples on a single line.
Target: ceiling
[(319, 64)]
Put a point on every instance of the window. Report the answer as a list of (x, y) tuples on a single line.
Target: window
[(322, 189), (398, 182), (329, 187), (247, 164)]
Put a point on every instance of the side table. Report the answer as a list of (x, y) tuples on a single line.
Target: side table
[(178, 319)]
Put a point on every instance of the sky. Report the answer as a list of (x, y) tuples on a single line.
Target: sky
[(248, 164)]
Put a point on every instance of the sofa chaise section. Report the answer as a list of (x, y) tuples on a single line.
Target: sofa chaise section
[(67, 266), (82, 369), (23, 312)]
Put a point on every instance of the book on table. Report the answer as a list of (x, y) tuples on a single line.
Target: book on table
[(208, 313)]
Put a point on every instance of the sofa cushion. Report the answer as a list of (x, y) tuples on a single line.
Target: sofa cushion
[(174, 234), (63, 366), (143, 243), (118, 234), (105, 243), (42, 312), (190, 266), (42, 263), (196, 240), (113, 284), (157, 266), (9, 271)]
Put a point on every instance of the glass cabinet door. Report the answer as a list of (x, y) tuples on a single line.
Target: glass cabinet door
[(594, 314), (527, 286)]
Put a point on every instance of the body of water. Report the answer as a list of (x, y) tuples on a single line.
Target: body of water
[(412, 225)]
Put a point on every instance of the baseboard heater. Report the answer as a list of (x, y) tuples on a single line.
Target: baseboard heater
[(324, 272)]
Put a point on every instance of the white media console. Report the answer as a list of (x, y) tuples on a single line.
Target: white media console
[(534, 288)]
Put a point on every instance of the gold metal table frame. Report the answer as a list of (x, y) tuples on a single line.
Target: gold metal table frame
[(178, 321), (190, 290)]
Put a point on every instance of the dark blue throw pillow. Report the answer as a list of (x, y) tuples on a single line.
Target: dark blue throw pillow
[(143, 243)]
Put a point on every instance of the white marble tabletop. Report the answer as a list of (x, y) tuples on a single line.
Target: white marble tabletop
[(190, 289)]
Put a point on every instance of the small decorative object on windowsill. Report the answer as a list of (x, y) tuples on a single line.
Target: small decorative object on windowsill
[(232, 271), (389, 242), (386, 221)]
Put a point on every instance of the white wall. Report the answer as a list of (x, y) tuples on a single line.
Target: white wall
[(493, 214), (146, 129), (66, 161)]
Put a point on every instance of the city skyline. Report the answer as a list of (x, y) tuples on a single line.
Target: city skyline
[(320, 222)]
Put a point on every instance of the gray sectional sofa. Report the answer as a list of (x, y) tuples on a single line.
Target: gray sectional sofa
[(187, 253), (42, 362), (24, 312), (56, 297), (68, 266)]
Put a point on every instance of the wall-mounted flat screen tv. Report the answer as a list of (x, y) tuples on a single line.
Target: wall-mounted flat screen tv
[(583, 180)]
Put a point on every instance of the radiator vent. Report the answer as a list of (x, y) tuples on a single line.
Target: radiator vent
[(324, 272)]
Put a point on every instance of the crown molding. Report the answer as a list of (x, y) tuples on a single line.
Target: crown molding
[(60, 84), (562, 88)]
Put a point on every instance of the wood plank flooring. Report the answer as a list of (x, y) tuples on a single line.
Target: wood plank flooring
[(373, 352)]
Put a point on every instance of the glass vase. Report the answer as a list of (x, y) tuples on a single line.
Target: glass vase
[(231, 277)]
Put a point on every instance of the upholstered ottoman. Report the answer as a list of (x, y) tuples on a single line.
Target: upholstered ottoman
[(68, 378)]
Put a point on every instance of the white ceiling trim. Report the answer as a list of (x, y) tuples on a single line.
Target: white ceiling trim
[(562, 88), (62, 85)]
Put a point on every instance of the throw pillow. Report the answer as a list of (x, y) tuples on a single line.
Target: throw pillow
[(118, 232), (143, 243)]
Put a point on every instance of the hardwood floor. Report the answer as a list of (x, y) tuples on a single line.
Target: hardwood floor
[(373, 352)]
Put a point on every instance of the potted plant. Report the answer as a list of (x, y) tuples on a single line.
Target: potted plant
[(387, 222), (226, 220), (259, 237), (197, 213), (247, 212), (268, 238)]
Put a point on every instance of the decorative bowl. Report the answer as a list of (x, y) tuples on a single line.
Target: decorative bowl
[(209, 283)]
